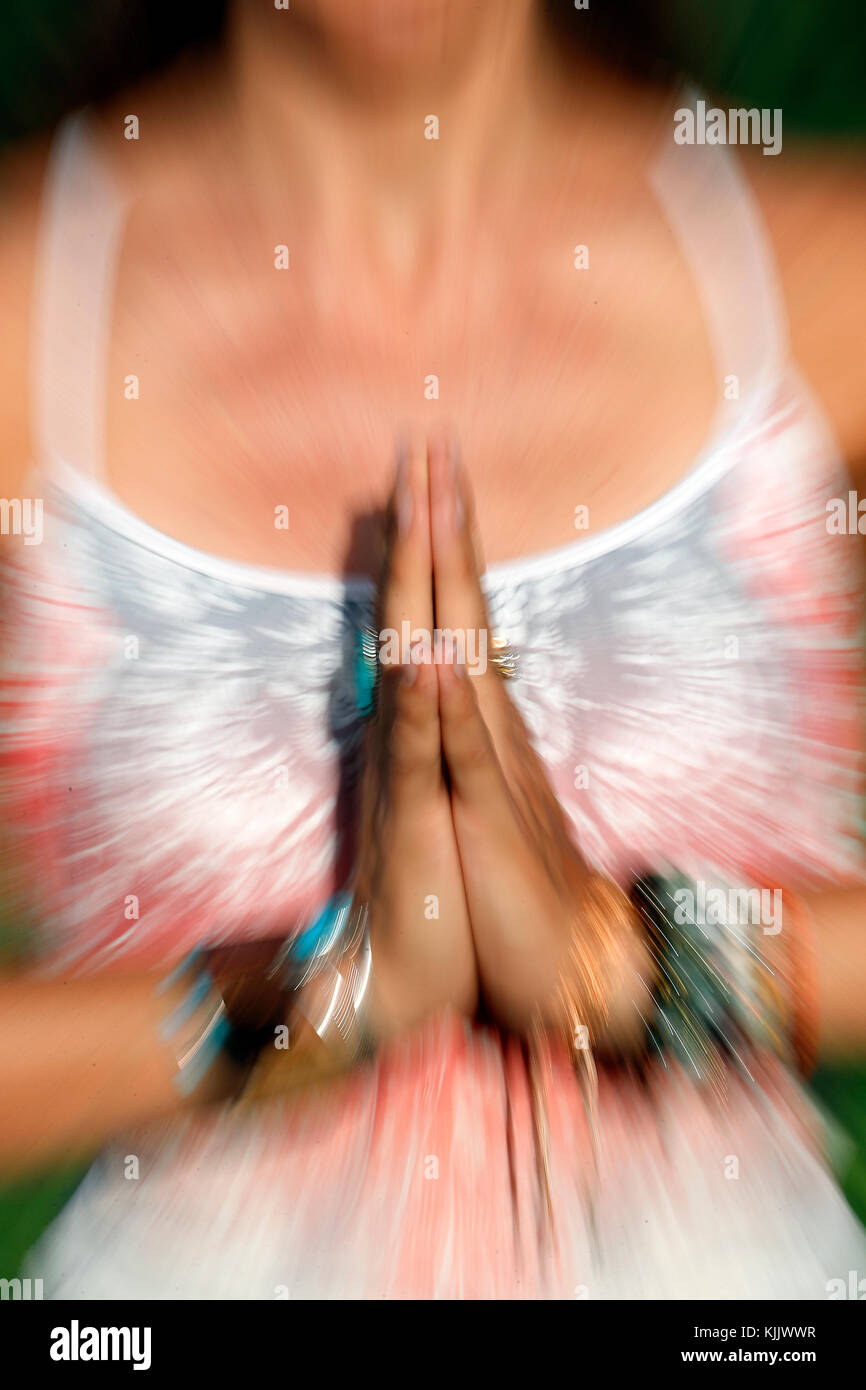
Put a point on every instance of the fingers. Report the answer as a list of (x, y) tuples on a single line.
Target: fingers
[(459, 599), (477, 781), (408, 724), (407, 591), (411, 710)]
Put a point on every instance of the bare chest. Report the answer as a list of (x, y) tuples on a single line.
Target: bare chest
[(253, 420)]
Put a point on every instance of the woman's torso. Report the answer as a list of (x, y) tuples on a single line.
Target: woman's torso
[(180, 728)]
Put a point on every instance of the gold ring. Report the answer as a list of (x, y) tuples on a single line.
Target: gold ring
[(504, 657)]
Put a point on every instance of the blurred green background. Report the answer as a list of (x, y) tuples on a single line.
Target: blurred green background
[(805, 56)]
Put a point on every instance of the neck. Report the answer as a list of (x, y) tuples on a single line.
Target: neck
[(383, 135)]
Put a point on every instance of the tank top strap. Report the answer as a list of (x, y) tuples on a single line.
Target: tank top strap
[(713, 214), (82, 221)]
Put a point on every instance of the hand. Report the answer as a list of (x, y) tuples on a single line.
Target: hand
[(408, 865), (408, 868), (525, 881)]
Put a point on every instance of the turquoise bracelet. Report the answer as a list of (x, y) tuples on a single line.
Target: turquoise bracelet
[(366, 670), (328, 966), (197, 1028)]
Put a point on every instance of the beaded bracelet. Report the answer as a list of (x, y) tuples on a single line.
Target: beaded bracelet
[(200, 1029), (803, 983), (716, 998), (327, 968)]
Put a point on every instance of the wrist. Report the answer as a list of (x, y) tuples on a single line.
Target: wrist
[(216, 1022), (601, 974)]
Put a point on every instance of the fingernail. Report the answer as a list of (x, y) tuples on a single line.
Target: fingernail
[(460, 670), (404, 492), (410, 674)]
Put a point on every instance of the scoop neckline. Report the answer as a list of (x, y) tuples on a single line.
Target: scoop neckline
[(726, 437), (730, 425)]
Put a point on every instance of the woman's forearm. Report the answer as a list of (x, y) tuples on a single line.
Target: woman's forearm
[(83, 1059), (838, 936), (826, 973)]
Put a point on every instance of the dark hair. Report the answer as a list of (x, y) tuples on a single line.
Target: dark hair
[(635, 35), (91, 50)]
